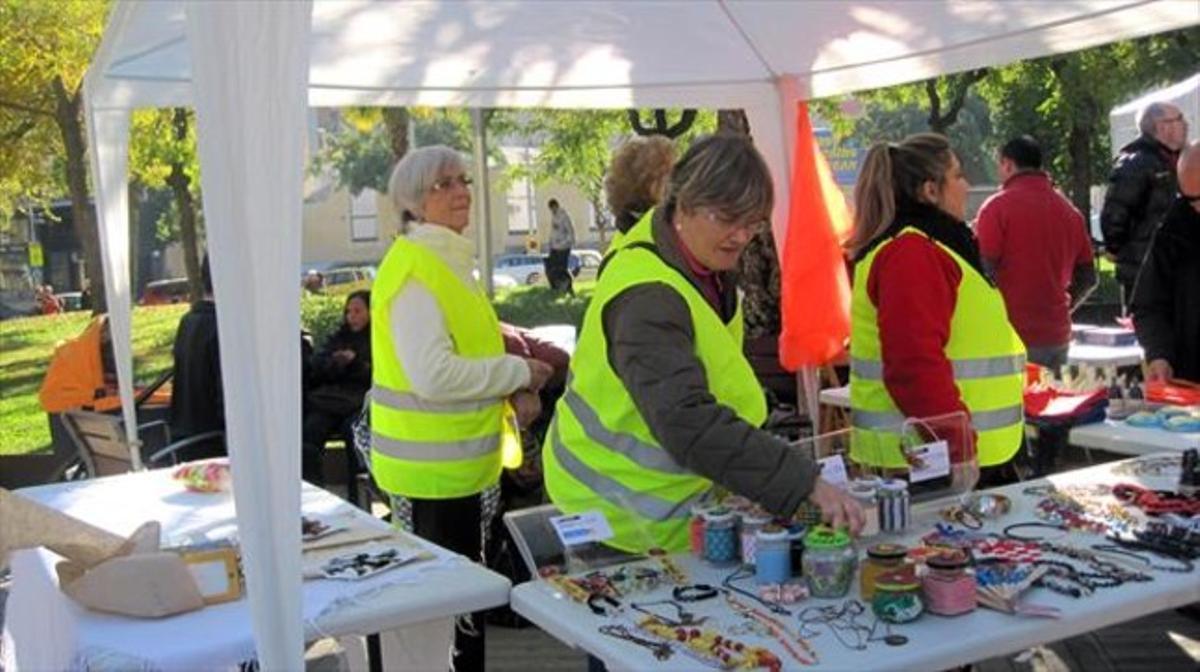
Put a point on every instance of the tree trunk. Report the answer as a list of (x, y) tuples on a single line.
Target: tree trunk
[(396, 120), (1079, 142), (185, 205), (67, 114)]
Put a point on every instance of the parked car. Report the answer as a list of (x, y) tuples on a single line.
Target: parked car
[(525, 269), (349, 275), (70, 301), (585, 264), (164, 292)]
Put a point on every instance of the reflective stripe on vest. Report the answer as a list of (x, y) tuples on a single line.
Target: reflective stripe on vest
[(964, 369), (894, 421), (407, 401), (646, 455), (617, 494), (428, 451)]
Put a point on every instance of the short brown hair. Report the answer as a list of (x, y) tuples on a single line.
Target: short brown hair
[(637, 178), (724, 172)]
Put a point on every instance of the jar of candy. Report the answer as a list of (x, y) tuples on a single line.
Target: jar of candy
[(752, 521), (897, 597), (881, 559), (774, 555), (829, 562), (949, 590), (720, 536)]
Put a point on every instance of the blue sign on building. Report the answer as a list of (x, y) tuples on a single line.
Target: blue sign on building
[(845, 158)]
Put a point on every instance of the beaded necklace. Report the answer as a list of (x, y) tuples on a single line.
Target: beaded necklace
[(710, 648), (780, 632)]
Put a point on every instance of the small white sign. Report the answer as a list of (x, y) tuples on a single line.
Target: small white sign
[(582, 528), (929, 461), (833, 470)]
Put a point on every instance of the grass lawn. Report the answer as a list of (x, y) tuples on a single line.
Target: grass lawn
[(26, 346)]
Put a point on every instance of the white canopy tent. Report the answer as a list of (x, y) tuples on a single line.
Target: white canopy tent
[(1122, 121), (243, 66)]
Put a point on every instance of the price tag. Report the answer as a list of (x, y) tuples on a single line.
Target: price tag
[(833, 470), (583, 528), (929, 461)]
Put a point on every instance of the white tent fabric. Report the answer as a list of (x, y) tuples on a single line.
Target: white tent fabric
[(1185, 95), (243, 64), (251, 59)]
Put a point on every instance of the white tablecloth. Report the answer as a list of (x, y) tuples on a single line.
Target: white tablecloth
[(934, 642), (1117, 437), (44, 630)]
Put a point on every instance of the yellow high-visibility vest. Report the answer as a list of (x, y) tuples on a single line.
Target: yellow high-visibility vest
[(599, 452), (429, 449), (985, 351)]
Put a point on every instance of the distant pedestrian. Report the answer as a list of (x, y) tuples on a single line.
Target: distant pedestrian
[(562, 239)]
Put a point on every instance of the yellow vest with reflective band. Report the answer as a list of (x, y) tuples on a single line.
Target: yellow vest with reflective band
[(430, 449), (599, 453), (985, 351)]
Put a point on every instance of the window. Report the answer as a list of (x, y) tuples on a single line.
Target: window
[(364, 217)]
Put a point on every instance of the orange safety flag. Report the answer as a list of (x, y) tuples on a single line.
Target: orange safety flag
[(815, 288)]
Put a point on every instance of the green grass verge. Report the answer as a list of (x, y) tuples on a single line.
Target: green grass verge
[(27, 344)]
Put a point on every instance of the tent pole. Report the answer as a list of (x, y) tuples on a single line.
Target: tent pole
[(483, 198)]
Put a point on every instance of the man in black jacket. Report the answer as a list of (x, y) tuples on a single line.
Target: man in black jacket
[(1167, 303), (1140, 189), (197, 397)]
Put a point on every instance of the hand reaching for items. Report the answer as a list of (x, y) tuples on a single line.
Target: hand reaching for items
[(838, 509)]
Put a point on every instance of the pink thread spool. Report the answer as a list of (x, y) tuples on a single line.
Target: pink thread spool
[(949, 589), (752, 521)]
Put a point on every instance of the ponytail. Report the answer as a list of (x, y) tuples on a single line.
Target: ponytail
[(874, 198)]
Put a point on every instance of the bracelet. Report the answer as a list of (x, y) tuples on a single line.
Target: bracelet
[(600, 610), (694, 593), (1008, 531)]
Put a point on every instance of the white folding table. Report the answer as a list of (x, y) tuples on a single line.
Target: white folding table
[(45, 630), (933, 642), (1117, 437)]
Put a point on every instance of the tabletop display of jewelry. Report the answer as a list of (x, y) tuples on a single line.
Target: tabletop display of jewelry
[(764, 613)]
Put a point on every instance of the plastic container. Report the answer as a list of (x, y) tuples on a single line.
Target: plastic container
[(696, 532), (751, 522), (829, 562), (881, 559), (948, 588), (866, 496), (720, 536), (894, 505), (897, 597), (774, 555), (796, 533)]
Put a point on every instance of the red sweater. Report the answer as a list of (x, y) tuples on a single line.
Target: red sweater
[(914, 286), (1034, 238)]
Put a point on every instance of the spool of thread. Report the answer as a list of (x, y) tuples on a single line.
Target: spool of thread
[(720, 536), (796, 534), (774, 563), (867, 498), (696, 532), (752, 521), (894, 505), (949, 590)]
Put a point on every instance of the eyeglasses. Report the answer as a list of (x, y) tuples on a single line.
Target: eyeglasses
[(446, 183), (751, 226), (1173, 120)]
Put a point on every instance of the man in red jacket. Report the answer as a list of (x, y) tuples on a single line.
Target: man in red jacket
[(1035, 244)]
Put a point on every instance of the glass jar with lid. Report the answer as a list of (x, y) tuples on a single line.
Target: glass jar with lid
[(948, 588), (829, 562), (881, 559), (720, 536), (897, 597)]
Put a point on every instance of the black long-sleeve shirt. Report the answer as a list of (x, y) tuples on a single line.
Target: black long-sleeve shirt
[(197, 397), (1166, 304)]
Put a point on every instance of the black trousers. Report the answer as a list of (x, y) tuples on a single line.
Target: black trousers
[(557, 272), (454, 524), (319, 426)]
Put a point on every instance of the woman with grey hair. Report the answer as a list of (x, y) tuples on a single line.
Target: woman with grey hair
[(662, 405), (444, 396)]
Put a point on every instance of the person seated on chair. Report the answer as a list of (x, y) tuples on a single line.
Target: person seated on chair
[(341, 376), (197, 397)]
